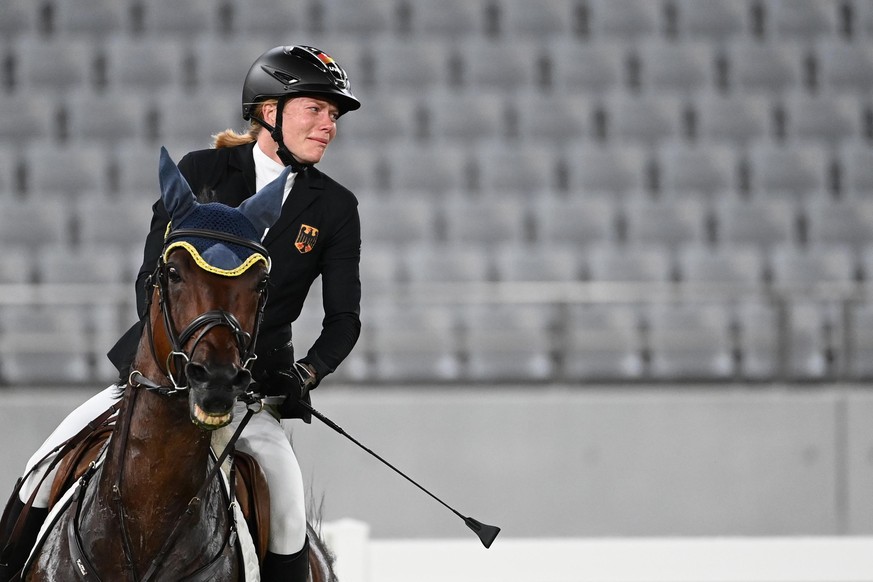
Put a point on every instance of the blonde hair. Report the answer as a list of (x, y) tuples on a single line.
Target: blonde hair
[(231, 138)]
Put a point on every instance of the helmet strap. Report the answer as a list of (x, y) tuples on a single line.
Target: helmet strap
[(283, 152)]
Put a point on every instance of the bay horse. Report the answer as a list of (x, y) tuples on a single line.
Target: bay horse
[(153, 507)]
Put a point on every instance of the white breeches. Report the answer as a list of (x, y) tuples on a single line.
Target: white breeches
[(263, 438)]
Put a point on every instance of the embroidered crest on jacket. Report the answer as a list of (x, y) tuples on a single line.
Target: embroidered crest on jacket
[(306, 238)]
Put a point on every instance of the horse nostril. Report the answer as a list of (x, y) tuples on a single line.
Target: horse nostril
[(197, 373), (243, 379)]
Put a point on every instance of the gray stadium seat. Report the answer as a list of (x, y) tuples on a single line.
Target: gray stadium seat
[(602, 342), (44, 345), (221, 65), (860, 360), (547, 262), (646, 119), (567, 123), (516, 169), (596, 67), (414, 68), (758, 325), (671, 222), (70, 170), (762, 222), (736, 117), (508, 342), (579, 221), (434, 169), (846, 221), (712, 19), (399, 221), (54, 65), (611, 263), (686, 68), (17, 265), (814, 267), (358, 168), (697, 169), (488, 221), (9, 180), (97, 18), (148, 64), (34, 222), (764, 67), (106, 118), (179, 122), (490, 64), (359, 17), (537, 19), (448, 18), (726, 268), (96, 264), (617, 169), (795, 169), (825, 118), (20, 18), (380, 269), (856, 166), (846, 66), (625, 18), (815, 346), (29, 116), (413, 345), (275, 19), (447, 263), (136, 165), (183, 19), (803, 19), (121, 223), (468, 117), (690, 341), (389, 117)]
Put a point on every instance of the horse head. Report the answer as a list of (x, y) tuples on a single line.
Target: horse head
[(210, 287)]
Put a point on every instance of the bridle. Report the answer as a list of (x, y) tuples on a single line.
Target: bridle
[(178, 356)]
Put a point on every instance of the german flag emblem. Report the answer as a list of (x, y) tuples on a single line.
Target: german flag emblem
[(306, 238)]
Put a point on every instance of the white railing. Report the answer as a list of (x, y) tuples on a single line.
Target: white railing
[(779, 559)]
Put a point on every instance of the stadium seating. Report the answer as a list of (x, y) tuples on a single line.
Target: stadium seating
[(600, 152)]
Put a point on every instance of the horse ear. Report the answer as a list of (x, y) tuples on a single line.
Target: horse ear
[(263, 209), (178, 198)]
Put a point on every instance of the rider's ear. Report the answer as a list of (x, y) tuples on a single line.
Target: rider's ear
[(263, 209), (175, 192)]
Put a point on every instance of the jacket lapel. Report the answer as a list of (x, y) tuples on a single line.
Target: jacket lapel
[(308, 186)]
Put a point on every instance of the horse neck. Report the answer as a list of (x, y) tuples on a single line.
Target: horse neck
[(157, 459)]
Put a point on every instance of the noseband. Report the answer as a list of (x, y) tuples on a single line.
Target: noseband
[(178, 357)]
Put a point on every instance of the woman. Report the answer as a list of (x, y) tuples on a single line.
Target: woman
[(293, 97)]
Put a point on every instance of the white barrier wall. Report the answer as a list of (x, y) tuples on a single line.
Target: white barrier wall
[(815, 559)]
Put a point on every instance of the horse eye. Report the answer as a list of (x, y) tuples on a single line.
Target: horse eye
[(173, 275), (262, 284)]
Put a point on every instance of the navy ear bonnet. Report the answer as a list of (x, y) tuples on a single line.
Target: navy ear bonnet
[(217, 253)]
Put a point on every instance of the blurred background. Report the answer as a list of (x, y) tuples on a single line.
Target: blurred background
[(616, 253)]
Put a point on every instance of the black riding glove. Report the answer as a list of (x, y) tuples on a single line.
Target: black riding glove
[(293, 383)]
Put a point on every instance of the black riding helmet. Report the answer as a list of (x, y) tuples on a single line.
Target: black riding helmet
[(291, 71)]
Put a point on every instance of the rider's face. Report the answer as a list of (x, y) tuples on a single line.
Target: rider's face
[(308, 126)]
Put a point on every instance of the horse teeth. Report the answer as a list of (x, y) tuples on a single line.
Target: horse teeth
[(208, 419)]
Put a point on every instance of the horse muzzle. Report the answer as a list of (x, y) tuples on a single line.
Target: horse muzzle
[(212, 392)]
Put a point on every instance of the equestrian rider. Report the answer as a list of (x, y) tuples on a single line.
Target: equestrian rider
[(292, 97)]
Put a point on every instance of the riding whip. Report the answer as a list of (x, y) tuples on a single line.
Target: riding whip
[(486, 533)]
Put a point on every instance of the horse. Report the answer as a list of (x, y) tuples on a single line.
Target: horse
[(153, 506)]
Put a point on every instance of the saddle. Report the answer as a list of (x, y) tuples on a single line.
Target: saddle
[(250, 484)]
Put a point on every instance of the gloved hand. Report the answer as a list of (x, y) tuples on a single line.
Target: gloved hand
[(293, 383)]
